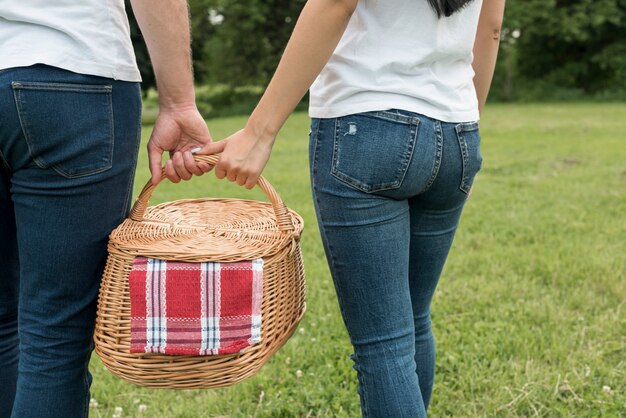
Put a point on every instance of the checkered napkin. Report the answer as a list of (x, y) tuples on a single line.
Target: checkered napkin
[(195, 308)]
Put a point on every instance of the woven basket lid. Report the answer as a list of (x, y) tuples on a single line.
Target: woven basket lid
[(208, 229)]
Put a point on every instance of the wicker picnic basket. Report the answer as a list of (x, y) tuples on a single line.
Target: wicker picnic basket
[(199, 230)]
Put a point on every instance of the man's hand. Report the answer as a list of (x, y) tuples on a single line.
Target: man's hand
[(179, 128), (178, 131)]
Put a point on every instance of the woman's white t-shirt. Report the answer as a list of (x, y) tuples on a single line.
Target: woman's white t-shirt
[(397, 54), (87, 36)]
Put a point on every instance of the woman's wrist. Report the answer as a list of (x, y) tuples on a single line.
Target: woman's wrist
[(262, 128)]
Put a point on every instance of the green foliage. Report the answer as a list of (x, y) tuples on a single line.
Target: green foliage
[(148, 80), (529, 313), (573, 44), (249, 40), (235, 44), (223, 100), (202, 30), (563, 50), (550, 49)]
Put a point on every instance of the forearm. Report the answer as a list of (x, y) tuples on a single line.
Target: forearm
[(165, 28), (179, 127), (316, 35), (486, 47)]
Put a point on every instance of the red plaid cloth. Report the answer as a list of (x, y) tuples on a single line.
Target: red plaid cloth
[(194, 308)]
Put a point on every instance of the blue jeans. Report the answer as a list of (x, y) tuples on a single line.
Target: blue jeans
[(389, 188), (68, 151)]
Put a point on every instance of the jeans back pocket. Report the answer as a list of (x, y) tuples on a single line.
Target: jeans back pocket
[(468, 136), (68, 127), (372, 150)]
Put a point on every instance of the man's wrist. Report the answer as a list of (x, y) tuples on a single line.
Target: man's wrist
[(174, 96), (172, 106)]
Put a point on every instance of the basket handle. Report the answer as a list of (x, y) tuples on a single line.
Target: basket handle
[(280, 210)]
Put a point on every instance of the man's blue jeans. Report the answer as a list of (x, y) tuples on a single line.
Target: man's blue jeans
[(68, 151), (389, 188)]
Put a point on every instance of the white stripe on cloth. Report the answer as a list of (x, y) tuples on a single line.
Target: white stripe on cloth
[(156, 333), (257, 298), (210, 305)]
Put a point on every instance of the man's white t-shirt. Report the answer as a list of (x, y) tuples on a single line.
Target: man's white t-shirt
[(397, 54), (87, 36)]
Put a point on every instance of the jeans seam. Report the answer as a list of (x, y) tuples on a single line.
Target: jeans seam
[(25, 133), (77, 176), (317, 130), (464, 157), (4, 162), (86, 379), (335, 155), (409, 153), (314, 157), (86, 383), (467, 126), (129, 187), (438, 157), (392, 117), (69, 87), (363, 391)]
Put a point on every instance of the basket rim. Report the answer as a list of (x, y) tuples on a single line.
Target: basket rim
[(180, 240)]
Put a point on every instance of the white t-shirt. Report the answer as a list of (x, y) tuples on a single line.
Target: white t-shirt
[(86, 36), (397, 54)]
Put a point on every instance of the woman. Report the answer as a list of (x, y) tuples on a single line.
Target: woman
[(394, 148)]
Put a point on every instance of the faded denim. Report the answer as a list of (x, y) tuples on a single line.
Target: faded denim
[(389, 188), (68, 151)]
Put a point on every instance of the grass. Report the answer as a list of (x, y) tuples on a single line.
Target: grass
[(530, 312)]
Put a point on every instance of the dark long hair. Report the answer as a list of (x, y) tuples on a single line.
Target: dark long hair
[(447, 7)]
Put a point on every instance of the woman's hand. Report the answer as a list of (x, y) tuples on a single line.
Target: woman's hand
[(244, 156)]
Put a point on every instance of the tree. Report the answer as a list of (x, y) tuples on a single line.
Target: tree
[(248, 40), (141, 51), (547, 45), (565, 44)]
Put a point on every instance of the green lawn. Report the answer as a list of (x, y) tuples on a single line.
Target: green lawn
[(530, 315)]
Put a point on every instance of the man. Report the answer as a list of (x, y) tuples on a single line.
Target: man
[(69, 134)]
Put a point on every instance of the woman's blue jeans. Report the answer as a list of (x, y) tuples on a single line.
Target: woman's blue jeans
[(68, 151), (389, 188)]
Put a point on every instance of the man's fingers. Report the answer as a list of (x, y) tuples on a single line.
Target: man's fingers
[(191, 164), (155, 157), (179, 166), (170, 173)]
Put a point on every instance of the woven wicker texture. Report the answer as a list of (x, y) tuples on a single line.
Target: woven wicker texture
[(197, 230)]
